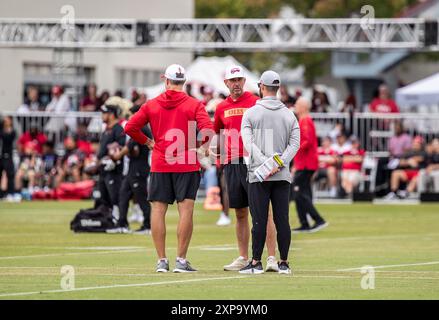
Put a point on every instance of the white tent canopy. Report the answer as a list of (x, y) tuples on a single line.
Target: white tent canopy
[(209, 71), (422, 92)]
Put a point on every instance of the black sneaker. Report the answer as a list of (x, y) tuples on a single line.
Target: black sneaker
[(183, 267), (252, 269), (319, 226), (284, 268), (143, 231), (301, 229)]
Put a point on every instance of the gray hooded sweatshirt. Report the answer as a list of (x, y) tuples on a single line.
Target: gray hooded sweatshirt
[(267, 128)]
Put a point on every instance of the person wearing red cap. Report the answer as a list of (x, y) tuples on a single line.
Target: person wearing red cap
[(227, 123), (175, 171), (305, 164)]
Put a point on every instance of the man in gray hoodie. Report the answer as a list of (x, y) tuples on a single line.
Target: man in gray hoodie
[(269, 128)]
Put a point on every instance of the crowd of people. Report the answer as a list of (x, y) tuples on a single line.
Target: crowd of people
[(42, 165)]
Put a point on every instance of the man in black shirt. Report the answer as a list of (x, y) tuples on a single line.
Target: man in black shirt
[(112, 139), (429, 177), (7, 137), (134, 183)]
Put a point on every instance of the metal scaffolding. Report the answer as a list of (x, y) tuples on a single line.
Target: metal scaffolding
[(233, 34)]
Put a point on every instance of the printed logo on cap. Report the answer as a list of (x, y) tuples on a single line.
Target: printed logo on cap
[(234, 70), (179, 74)]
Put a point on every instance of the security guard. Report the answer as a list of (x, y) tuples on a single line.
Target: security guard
[(110, 175), (134, 183)]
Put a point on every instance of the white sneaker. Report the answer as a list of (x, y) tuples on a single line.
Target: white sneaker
[(122, 230), (223, 220), (17, 197), (391, 196), (272, 265), (333, 192), (136, 214), (236, 265)]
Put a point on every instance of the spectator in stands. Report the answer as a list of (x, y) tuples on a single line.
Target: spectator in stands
[(141, 99), (32, 102), (207, 94), (30, 163), (118, 93), (407, 170), (82, 139), (189, 90), (429, 177), (320, 101), (342, 144), (383, 103), (72, 163), (134, 95), (400, 143), (327, 165), (351, 166), (60, 102), (91, 101), (103, 97), (7, 137), (285, 97), (339, 127), (33, 139), (350, 104), (48, 171)]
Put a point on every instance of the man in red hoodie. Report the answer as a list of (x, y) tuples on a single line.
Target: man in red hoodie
[(228, 119), (175, 171), (305, 164)]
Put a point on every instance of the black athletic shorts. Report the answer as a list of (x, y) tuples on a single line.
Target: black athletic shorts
[(237, 185), (170, 186)]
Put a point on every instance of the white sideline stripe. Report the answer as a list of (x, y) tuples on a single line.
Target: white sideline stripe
[(145, 284), (394, 266), (391, 236), (68, 254)]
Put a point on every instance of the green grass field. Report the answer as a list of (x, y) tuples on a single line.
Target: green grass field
[(401, 241)]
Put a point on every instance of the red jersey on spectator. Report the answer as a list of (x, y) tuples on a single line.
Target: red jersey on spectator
[(383, 106), (323, 153), (37, 141), (353, 165), (306, 158), (170, 110), (228, 116)]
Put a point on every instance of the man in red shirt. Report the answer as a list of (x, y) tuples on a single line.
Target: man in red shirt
[(383, 104), (228, 118), (175, 171), (305, 164)]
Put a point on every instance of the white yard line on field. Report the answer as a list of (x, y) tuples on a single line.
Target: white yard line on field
[(394, 266), (145, 284), (68, 254)]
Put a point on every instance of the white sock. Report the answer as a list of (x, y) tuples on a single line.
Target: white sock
[(181, 260)]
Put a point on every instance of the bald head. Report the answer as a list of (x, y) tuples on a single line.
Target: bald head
[(302, 106)]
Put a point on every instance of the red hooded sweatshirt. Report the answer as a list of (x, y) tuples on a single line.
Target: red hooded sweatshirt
[(174, 150), (228, 117), (307, 157)]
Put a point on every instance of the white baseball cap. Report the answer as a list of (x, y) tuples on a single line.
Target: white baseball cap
[(175, 72), (270, 78), (234, 72)]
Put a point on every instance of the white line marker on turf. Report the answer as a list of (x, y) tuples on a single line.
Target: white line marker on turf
[(394, 266), (146, 284), (68, 254)]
